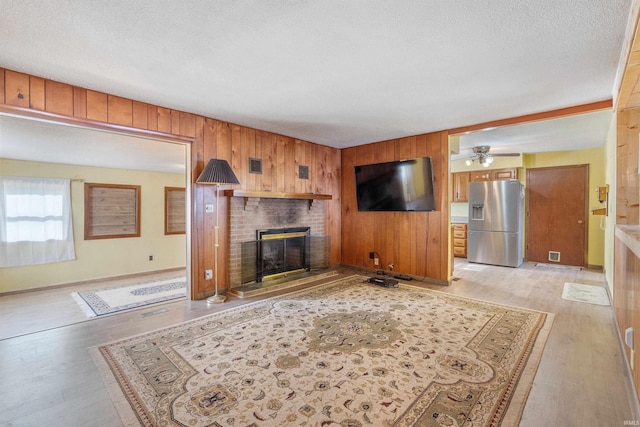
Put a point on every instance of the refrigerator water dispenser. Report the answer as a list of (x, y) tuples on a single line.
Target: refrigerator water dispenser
[(477, 212)]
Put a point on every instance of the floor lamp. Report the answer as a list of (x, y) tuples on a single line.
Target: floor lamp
[(217, 172)]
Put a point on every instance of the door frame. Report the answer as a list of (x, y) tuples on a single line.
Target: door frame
[(160, 137)]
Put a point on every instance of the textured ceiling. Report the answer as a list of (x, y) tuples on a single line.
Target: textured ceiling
[(339, 73), (41, 141), (581, 131)]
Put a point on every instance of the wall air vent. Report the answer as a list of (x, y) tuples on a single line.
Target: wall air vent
[(303, 172), (554, 256), (255, 165)]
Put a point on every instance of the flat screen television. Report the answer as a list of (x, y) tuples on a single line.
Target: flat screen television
[(404, 185)]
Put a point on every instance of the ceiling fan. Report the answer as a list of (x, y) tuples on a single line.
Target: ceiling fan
[(481, 154)]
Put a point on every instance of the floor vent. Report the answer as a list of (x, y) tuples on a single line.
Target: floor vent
[(554, 256), (154, 312)]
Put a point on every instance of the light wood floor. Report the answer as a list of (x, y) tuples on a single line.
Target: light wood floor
[(28, 312), (48, 377)]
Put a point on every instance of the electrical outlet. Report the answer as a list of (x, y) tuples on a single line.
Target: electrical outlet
[(208, 208), (208, 274), (150, 257), (376, 261)]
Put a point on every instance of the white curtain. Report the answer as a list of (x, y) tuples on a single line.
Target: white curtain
[(35, 221)]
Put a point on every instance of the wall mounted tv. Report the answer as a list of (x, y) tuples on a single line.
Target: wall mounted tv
[(404, 185)]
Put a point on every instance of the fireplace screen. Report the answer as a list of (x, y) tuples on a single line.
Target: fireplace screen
[(282, 251)]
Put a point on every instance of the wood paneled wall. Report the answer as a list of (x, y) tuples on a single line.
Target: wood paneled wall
[(415, 242), (627, 179), (627, 307), (626, 272), (209, 138)]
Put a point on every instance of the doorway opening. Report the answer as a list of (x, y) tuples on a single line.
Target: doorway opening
[(66, 148)]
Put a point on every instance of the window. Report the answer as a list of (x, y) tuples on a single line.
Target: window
[(111, 211), (174, 210), (35, 221)]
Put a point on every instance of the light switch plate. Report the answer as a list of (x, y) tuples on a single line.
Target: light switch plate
[(208, 208)]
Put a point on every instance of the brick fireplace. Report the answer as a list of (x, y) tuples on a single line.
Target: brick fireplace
[(249, 215)]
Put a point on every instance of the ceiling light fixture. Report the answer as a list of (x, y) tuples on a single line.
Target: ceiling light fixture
[(481, 154), (485, 159)]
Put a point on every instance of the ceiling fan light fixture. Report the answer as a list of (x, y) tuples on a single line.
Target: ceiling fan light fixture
[(485, 159), (481, 154)]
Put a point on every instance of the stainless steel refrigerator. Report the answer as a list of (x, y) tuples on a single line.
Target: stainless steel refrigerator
[(495, 230)]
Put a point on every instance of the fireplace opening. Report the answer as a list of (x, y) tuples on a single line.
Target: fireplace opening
[(282, 251)]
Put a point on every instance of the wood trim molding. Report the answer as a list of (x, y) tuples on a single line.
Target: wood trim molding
[(276, 195), (546, 115), (10, 110), (628, 70)]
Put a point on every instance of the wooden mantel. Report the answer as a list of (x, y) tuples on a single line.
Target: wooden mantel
[(275, 195)]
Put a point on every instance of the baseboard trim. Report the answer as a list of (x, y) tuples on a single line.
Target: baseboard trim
[(373, 272)]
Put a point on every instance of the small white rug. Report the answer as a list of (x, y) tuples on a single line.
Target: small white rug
[(100, 302), (590, 294)]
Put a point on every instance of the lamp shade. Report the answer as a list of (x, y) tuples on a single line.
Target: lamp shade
[(217, 171)]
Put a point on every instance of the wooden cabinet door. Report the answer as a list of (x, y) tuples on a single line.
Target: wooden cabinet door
[(460, 186), (499, 174), (494, 174), (484, 175)]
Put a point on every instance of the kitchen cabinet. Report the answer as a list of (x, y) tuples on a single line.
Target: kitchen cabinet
[(460, 183), (459, 232), (493, 174), (483, 175), (511, 173)]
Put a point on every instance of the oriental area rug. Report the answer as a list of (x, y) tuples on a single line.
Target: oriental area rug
[(345, 353), (115, 299)]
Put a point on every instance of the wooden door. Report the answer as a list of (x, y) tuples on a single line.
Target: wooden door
[(557, 214)]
